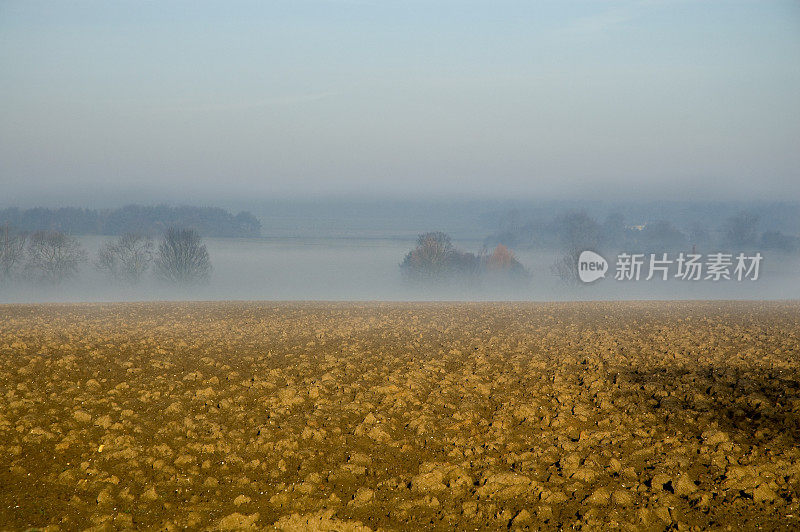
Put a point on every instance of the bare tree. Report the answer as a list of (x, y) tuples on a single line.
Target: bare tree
[(432, 254), (566, 267), (182, 257), (54, 256), (435, 258), (12, 251), (126, 259), (578, 232)]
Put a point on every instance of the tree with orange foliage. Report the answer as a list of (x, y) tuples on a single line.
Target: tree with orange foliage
[(501, 258)]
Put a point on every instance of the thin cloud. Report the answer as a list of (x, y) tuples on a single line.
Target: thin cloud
[(277, 101), (599, 23), (612, 19)]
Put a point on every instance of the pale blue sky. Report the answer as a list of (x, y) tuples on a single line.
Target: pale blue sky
[(560, 98)]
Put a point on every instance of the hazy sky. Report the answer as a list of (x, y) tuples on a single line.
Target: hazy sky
[(560, 98)]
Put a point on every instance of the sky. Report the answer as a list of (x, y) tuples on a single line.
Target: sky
[(561, 99)]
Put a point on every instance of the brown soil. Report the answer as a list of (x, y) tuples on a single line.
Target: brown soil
[(400, 416)]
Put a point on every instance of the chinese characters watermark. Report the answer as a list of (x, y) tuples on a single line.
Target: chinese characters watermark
[(663, 266)]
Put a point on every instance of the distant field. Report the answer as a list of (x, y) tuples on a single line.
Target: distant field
[(390, 416)]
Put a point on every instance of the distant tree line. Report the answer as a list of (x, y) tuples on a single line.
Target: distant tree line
[(572, 232), (435, 258), (575, 230), (138, 219), (51, 257)]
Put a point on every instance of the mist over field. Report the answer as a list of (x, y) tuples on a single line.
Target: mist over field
[(330, 249)]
